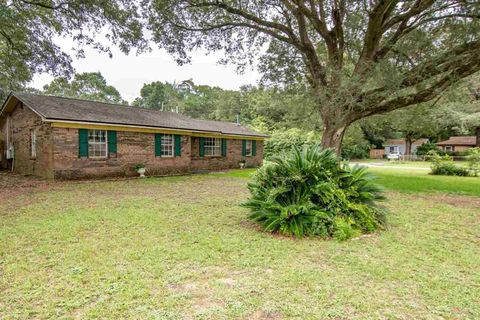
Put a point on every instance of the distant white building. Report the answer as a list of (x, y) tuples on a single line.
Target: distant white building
[(400, 146)]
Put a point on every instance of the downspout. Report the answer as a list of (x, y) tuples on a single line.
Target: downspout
[(10, 143)]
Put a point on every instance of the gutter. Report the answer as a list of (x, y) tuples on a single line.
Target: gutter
[(79, 124)]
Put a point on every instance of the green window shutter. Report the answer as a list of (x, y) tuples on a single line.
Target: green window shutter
[(202, 146), (224, 147), (112, 141), (254, 147), (244, 148), (178, 145), (158, 144), (82, 143)]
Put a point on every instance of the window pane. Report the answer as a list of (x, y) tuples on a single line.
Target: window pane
[(248, 147), (213, 146), (97, 143), (167, 145)]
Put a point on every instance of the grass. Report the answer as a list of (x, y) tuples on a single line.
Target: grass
[(407, 181), (395, 163), (410, 181), (182, 248), (421, 164)]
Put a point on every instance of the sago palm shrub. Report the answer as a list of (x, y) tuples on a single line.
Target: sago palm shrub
[(310, 193)]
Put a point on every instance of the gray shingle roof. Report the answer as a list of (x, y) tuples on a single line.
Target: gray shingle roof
[(68, 109)]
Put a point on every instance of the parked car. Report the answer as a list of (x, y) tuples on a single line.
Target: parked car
[(393, 156)]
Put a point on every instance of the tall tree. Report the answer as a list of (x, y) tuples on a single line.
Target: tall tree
[(153, 95), (163, 96), (360, 58), (28, 30), (88, 86)]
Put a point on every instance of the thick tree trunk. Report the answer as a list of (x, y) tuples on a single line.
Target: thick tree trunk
[(333, 136), (408, 146)]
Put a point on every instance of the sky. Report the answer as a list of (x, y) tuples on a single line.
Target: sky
[(129, 73)]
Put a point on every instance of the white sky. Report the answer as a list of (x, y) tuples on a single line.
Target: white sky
[(129, 73)]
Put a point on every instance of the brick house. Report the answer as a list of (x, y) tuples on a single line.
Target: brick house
[(64, 138), (459, 143)]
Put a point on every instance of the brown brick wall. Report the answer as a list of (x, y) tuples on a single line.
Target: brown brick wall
[(132, 148), (234, 155), (57, 152), (22, 121)]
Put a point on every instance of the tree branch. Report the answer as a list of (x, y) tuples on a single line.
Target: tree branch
[(44, 5), (424, 95)]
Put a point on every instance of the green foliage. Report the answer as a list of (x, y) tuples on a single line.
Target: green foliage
[(154, 95), (354, 145), (283, 141), (449, 169), (139, 166), (265, 109), (473, 159), (28, 30), (444, 166), (87, 85), (309, 193), (425, 148)]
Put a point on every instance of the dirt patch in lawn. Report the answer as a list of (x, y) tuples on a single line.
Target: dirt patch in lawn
[(455, 200), (13, 186), (263, 315), (15, 181)]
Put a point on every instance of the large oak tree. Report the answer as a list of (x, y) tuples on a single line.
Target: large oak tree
[(360, 57), (88, 85), (30, 31)]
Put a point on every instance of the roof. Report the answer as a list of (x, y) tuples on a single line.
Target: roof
[(53, 108), (459, 141), (395, 142)]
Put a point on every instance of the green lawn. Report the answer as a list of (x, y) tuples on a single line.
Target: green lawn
[(420, 164), (182, 248), (414, 181), (395, 163), (407, 181)]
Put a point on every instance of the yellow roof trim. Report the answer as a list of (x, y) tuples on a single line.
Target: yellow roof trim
[(128, 128)]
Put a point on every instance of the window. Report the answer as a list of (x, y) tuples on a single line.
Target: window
[(248, 148), (213, 146), (97, 144), (167, 145), (33, 143), (393, 149), (448, 148)]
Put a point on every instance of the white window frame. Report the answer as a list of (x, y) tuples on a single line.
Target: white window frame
[(449, 148), (249, 148), (212, 147), (395, 149), (167, 146), (33, 143), (97, 144)]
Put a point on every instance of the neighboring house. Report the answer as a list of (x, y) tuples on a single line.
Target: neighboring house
[(458, 144), (399, 145), (66, 138)]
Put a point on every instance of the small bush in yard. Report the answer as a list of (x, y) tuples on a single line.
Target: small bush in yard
[(443, 165), (473, 159), (449, 169), (309, 193)]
